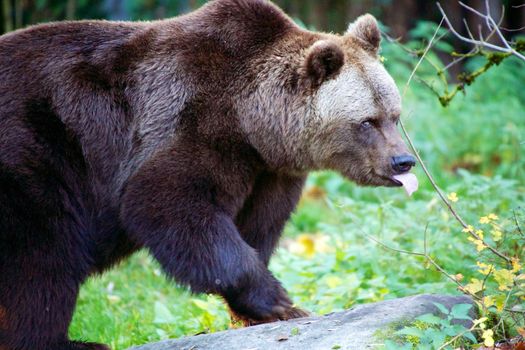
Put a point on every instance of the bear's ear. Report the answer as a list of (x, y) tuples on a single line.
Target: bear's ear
[(323, 60), (365, 29)]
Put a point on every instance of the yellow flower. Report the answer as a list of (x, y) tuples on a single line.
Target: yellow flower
[(516, 266), (458, 277), (493, 217), (479, 245), (481, 322), (487, 338), (504, 278), (488, 301), (469, 228), (309, 244), (496, 235), (303, 245), (474, 286), (479, 233), (484, 269), (484, 220), (453, 197), (333, 281), (499, 301)]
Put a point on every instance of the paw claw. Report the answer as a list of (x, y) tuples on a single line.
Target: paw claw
[(295, 312), (283, 315), (278, 310)]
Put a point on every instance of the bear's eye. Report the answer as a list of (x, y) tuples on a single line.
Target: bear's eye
[(367, 124)]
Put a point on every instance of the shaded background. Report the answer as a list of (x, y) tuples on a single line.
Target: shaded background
[(327, 15)]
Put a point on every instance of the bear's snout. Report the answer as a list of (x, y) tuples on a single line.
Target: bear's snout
[(402, 164)]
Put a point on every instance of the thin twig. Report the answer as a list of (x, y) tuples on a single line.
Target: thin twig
[(460, 58), (422, 57), (423, 166), (429, 259), (452, 340), (474, 51), (487, 8), (517, 222), (444, 199), (437, 266), (481, 42), (512, 30), (391, 248), (491, 24), (500, 322)]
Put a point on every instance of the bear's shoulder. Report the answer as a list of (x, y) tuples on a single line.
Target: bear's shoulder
[(243, 22)]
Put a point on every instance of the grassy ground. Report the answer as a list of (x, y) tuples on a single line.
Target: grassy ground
[(475, 148)]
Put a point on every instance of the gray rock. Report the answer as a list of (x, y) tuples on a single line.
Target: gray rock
[(355, 328)]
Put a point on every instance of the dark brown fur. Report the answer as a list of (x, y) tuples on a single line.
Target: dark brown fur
[(117, 136)]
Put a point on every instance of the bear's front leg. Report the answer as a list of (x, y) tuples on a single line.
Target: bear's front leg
[(183, 216), (265, 212)]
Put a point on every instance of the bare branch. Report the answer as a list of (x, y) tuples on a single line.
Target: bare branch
[(422, 57), (517, 222), (481, 42), (512, 30), (391, 248), (468, 29), (491, 24), (423, 166), (444, 199)]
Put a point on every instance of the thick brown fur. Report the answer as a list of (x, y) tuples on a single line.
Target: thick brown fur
[(116, 136)]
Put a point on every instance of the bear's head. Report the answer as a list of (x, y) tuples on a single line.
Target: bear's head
[(325, 101)]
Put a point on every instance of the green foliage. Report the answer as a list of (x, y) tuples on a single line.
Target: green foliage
[(431, 332)]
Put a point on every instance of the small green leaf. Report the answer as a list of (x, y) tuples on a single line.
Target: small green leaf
[(470, 337), (201, 304), (392, 345), (430, 319), (442, 308), (410, 331), (436, 336), (460, 311), (424, 347), (449, 330), (162, 314)]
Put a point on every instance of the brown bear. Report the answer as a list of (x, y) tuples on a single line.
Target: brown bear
[(191, 137)]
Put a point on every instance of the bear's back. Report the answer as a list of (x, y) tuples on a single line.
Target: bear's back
[(119, 88), (76, 74)]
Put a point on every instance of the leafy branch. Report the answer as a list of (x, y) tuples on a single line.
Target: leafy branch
[(483, 46), (509, 279)]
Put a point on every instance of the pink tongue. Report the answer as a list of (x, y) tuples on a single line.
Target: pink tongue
[(409, 182)]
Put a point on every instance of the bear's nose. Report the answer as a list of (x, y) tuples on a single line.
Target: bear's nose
[(402, 164)]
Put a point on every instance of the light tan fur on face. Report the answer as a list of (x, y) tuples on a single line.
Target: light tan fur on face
[(346, 97), (385, 90), (358, 93)]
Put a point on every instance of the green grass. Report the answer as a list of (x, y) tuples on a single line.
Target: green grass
[(483, 132)]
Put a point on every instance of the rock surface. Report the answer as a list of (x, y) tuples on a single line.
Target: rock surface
[(355, 328)]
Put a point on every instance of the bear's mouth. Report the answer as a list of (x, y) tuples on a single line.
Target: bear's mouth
[(390, 181), (395, 182)]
